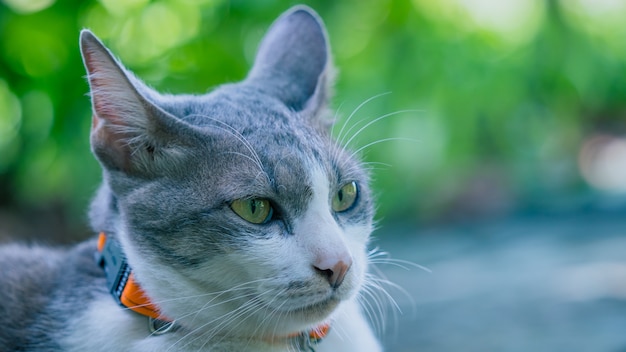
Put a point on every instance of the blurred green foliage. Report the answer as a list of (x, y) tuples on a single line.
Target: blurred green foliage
[(489, 101)]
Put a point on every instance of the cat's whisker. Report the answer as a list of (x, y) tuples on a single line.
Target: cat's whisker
[(340, 136), (193, 332), (376, 285), (258, 307), (374, 168), (273, 311), (374, 292), (375, 282), (208, 304), (269, 316), (356, 152), (243, 155), (223, 319), (247, 309), (382, 308), (376, 252), (260, 325), (380, 279), (376, 256), (264, 305), (335, 119), (376, 163), (343, 133), (340, 330), (378, 294), (217, 294), (385, 116), (369, 309), (278, 318), (404, 264), (227, 319)]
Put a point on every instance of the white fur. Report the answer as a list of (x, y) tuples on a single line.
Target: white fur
[(317, 232), (104, 327)]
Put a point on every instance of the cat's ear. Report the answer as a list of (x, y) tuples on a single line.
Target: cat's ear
[(128, 132), (293, 61)]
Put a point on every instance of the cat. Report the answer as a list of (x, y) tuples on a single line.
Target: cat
[(231, 221)]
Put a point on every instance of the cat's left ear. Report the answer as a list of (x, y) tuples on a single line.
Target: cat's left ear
[(129, 132), (293, 62)]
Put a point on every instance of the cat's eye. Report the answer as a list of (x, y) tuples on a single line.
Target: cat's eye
[(344, 198), (254, 210)]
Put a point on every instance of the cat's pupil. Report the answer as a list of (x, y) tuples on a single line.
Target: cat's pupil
[(253, 206), (340, 195)]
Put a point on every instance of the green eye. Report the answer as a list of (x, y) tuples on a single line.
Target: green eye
[(254, 210), (345, 197)]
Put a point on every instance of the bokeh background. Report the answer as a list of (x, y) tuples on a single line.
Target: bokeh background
[(497, 106), (500, 121)]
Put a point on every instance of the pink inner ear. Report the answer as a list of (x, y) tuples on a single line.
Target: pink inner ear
[(108, 111), (111, 92), (121, 115), (105, 104), (109, 145)]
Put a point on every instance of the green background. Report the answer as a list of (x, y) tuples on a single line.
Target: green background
[(493, 107)]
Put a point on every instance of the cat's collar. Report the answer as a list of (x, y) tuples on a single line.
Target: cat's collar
[(123, 287), (306, 340), (127, 292)]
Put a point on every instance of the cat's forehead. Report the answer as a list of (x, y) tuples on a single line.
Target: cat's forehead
[(234, 104), (273, 163), (247, 119), (247, 134)]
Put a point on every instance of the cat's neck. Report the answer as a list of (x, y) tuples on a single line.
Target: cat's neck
[(120, 279)]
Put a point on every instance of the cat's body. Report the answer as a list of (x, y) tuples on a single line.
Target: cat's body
[(240, 218)]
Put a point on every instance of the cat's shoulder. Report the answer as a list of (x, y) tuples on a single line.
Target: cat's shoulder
[(28, 275), (38, 282), (24, 264), (28, 260)]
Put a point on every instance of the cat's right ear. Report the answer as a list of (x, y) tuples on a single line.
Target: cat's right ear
[(128, 132), (293, 62)]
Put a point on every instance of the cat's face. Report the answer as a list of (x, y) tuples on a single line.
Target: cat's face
[(237, 211), (252, 220)]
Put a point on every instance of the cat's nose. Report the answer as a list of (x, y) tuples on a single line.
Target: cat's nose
[(334, 269)]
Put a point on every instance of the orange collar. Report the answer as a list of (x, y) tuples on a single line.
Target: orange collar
[(127, 292), (121, 281), (306, 340)]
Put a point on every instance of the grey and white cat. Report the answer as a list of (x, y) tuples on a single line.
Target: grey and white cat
[(242, 220)]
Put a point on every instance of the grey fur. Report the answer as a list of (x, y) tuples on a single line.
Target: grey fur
[(41, 288), (173, 164)]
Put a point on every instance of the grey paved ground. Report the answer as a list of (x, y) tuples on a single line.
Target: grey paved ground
[(527, 284)]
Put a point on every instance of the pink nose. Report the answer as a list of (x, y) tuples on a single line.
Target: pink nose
[(334, 270)]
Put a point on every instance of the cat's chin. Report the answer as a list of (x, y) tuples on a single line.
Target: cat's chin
[(316, 311), (302, 318)]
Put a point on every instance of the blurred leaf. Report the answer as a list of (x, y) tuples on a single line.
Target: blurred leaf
[(503, 95)]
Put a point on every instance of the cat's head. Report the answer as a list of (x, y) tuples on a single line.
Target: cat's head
[(237, 211)]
